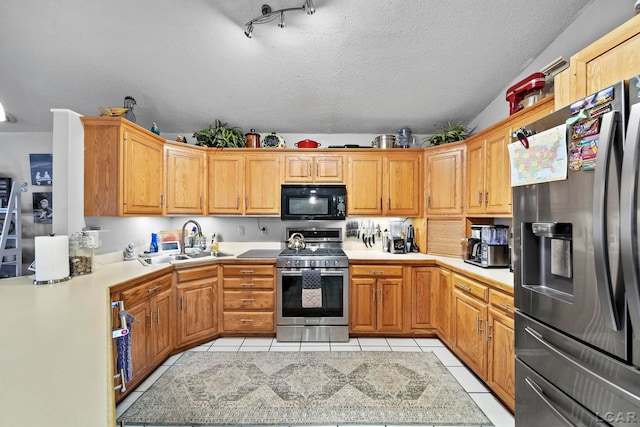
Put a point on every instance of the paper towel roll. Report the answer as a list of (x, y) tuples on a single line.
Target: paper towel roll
[(52, 258)]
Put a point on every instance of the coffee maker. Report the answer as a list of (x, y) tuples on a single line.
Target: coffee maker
[(488, 246)]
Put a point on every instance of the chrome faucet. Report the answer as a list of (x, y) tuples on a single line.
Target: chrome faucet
[(198, 234)]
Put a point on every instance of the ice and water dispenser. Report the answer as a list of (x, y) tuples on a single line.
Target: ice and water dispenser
[(547, 249)]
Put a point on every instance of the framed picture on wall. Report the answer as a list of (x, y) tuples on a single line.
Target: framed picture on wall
[(43, 208), (41, 169)]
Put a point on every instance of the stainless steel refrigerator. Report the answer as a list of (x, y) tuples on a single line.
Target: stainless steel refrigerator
[(576, 270)]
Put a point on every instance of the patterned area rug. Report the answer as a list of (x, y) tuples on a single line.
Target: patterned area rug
[(305, 388)]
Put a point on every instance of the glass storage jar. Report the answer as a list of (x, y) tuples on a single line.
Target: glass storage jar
[(81, 253)]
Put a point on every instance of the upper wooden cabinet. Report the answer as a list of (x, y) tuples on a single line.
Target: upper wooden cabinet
[(390, 185), (185, 179), (443, 168), (244, 184), (313, 168), (608, 60), (123, 168)]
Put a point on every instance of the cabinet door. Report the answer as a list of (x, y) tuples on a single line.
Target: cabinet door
[(475, 176), (362, 305), (364, 186), (403, 185), (161, 326), (262, 185), (225, 183), (422, 281), (198, 311), (329, 169), (390, 309), (143, 174), (501, 360), (298, 168), (185, 180), (497, 196), (140, 352), (441, 298), (469, 341), (444, 182)]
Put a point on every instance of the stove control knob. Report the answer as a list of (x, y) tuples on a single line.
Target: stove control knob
[(327, 262), (335, 262), (297, 262), (288, 263), (312, 263)]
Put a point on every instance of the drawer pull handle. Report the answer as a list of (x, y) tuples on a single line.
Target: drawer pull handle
[(247, 320), (246, 271), (377, 272), (155, 288), (463, 287), (248, 300), (505, 306), (246, 285)]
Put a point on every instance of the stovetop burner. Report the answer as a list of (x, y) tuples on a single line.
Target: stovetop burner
[(324, 250)]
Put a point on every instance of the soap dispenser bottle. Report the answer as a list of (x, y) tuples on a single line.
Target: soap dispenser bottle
[(153, 247), (214, 244)]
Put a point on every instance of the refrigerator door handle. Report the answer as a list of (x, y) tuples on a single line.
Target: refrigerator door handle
[(629, 218), (585, 370), (540, 393), (608, 157)]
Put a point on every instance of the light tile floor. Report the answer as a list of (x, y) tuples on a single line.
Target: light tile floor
[(495, 411)]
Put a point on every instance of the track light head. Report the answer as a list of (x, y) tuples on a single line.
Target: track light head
[(281, 24), (248, 31), (308, 7)]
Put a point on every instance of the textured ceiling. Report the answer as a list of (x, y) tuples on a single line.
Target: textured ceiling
[(355, 66)]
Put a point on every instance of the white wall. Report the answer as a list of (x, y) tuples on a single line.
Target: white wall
[(597, 19)]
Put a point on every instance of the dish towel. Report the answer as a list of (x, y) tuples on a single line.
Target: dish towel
[(123, 348), (311, 289)]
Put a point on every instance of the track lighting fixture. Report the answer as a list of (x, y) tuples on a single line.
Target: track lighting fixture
[(269, 15)]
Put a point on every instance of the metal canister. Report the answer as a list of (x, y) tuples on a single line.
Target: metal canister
[(252, 139)]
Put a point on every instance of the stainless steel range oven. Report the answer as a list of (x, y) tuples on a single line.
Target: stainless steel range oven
[(313, 288)]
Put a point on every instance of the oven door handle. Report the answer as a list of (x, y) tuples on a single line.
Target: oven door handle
[(323, 273)]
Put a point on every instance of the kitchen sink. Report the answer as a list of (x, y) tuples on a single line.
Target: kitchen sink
[(154, 259)]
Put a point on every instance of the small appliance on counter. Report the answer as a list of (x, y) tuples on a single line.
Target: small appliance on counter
[(488, 246)]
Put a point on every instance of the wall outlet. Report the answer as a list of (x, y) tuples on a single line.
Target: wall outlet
[(241, 230)]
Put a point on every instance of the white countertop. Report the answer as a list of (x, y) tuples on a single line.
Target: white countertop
[(55, 343)]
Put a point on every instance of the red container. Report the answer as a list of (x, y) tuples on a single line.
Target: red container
[(307, 143)]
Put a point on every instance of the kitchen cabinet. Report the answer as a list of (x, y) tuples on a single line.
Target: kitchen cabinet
[(248, 298), (488, 174), (321, 168), (469, 317), (197, 304), (123, 168), (185, 179), (608, 60), (501, 347), (441, 295), (389, 185), (376, 299), (151, 304), (422, 284), (444, 166), (244, 184)]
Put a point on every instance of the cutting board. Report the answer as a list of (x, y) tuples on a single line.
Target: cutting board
[(260, 253)]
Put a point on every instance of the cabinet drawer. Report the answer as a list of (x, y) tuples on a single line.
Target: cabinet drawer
[(249, 270), (501, 302), (248, 283), (140, 293), (471, 287), (197, 273), (254, 300), (248, 321), (377, 270)]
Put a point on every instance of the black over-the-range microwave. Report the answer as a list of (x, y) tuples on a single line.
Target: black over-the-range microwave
[(313, 202)]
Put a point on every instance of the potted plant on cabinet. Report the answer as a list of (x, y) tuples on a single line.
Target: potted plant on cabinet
[(451, 132), (220, 135)]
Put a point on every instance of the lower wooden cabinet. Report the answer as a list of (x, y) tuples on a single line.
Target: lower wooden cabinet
[(423, 282), (248, 298), (376, 299), (151, 303), (501, 347), (197, 304), (441, 303)]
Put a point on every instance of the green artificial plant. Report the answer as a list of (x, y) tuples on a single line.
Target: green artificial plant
[(220, 135), (451, 132)]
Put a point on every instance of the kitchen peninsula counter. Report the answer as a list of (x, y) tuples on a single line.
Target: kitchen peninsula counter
[(56, 339)]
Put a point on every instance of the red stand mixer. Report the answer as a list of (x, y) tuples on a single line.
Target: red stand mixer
[(525, 87)]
